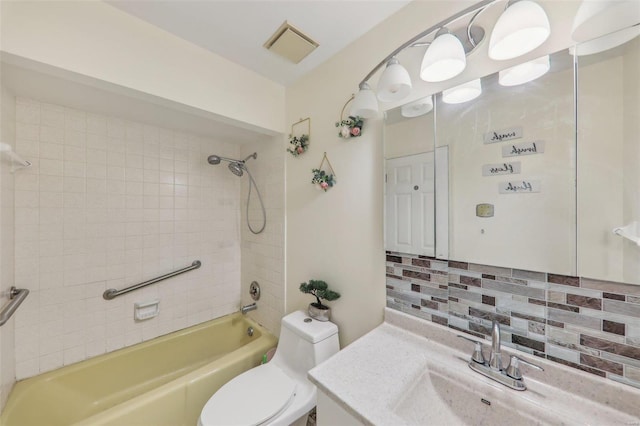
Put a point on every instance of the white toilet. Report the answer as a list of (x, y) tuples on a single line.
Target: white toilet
[(276, 393)]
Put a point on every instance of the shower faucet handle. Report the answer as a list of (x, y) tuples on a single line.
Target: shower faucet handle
[(254, 290)]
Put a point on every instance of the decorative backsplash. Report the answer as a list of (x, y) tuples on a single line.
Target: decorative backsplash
[(586, 324)]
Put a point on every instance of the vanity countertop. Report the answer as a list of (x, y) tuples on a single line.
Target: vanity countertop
[(379, 375)]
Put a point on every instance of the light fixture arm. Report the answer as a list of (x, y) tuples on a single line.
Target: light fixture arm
[(345, 106), (478, 7), (471, 21)]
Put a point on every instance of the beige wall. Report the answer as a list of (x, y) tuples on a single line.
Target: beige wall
[(409, 136), (94, 39), (337, 236), (7, 136)]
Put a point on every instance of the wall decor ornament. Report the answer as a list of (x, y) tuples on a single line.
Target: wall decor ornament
[(325, 179), (299, 142), (299, 145), (350, 127)]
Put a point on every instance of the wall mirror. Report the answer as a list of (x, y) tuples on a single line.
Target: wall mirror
[(512, 170), (608, 101), (504, 179)]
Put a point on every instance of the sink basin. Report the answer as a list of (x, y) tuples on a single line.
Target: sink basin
[(456, 395), (436, 399)]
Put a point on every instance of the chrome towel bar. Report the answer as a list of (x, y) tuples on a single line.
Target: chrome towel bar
[(16, 296), (112, 293)]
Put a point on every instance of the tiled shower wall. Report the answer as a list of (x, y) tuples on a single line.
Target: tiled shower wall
[(263, 254), (108, 203), (586, 324)]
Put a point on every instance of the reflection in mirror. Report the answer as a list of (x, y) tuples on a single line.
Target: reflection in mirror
[(409, 189), (608, 158), (512, 168)]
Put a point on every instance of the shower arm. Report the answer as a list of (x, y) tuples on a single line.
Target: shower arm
[(229, 160), (254, 156)]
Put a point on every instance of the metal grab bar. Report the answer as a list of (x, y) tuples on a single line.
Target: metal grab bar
[(17, 296), (112, 293)]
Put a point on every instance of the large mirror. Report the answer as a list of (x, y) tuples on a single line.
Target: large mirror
[(534, 176), (512, 171), (609, 160)]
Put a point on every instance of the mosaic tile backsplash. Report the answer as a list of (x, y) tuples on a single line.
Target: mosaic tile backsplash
[(586, 324)]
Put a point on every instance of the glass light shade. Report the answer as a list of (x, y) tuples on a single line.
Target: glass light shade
[(364, 103), (395, 83), (444, 59), (417, 108), (596, 18), (522, 27), (524, 73), (462, 93), (606, 42)]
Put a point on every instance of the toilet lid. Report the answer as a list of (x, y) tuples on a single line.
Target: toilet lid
[(250, 399)]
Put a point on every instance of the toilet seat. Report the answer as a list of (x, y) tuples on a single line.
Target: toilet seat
[(250, 399)]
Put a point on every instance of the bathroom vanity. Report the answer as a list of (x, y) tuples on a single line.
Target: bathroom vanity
[(413, 372)]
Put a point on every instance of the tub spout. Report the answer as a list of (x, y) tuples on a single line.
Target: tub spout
[(247, 308)]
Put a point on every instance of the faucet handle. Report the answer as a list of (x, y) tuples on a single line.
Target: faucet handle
[(513, 369), (477, 352)]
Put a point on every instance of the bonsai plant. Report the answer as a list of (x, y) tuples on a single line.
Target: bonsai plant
[(320, 290)]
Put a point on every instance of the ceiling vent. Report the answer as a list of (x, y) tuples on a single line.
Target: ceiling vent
[(290, 43)]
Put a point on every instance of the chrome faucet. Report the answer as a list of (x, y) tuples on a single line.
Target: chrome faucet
[(247, 308), (510, 376), (495, 360)]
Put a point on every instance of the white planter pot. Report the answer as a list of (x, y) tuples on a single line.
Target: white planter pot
[(319, 314)]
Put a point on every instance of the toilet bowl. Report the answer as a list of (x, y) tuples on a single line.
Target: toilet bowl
[(276, 393)]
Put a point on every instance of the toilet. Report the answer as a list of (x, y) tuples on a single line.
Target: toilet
[(278, 392)]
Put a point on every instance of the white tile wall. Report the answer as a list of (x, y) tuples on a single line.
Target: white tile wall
[(7, 135), (109, 203), (263, 254)]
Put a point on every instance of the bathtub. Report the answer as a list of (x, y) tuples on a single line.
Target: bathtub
[(165, 381)]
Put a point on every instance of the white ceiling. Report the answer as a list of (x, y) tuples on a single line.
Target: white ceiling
[(237, 29)]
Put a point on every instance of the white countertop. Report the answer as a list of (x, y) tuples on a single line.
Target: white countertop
[(371, 376), (368, 377)]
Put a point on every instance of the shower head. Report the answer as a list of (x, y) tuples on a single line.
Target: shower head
[(236, 168), (214, 159)]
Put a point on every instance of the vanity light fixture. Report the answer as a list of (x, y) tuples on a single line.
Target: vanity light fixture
[(417, 108), (596, 18), (462, 93), (395, 83), (444, 59), (525, 72), (606, 42), (522, 27), (364, 104)]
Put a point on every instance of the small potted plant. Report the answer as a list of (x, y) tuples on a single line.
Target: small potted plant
[(320, 290)]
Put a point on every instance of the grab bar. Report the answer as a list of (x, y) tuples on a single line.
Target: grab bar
[(112, 293), (17, 296)]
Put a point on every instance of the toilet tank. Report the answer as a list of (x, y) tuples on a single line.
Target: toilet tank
[(305, 342)]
